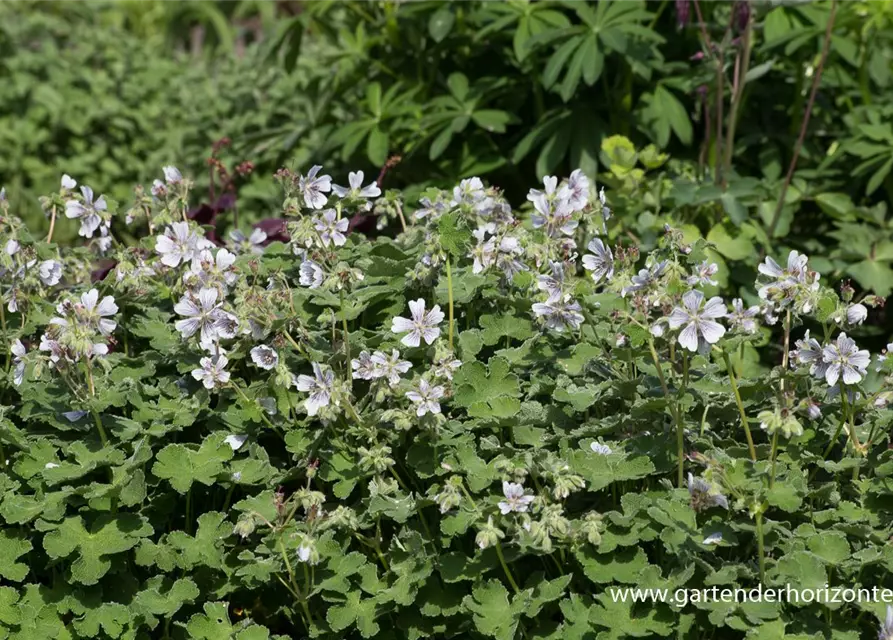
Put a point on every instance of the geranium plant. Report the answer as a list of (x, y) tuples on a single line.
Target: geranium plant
[(472, 426)]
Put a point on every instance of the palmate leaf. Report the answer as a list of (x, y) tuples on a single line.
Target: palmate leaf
[(182, 465), (493, 615), (356, 611), (13, 545), (487, 391), (214, 624), (106, 536)]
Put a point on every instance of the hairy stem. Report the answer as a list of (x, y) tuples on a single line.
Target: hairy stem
[(674, 409), (449, 275), (505, 568), (760, 546), (737, 394)]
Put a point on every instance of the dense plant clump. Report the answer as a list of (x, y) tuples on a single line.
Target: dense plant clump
[(473, 428)]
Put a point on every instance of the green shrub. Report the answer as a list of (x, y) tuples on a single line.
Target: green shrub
[(472, 427)]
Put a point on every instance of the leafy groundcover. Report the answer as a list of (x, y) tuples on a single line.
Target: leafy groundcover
[(474, 424)]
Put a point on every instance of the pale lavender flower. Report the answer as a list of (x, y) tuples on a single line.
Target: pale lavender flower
[(601, 449), (319, 386), (796, 273), (742, 319), (713, 538), (331, 230), (357, 190), (813, 410), (211, 373), (212, 271), (422, 325), (702, 494), (89, 312), (390, 366), (886, 630), (235, 441), (18, 353), (552, 283), (704, 274), (88, 211), (248, 244), (265, 357), (645, 278), (577, 190), (484, 253), (314, 187), (515, 498), (172, 175), (699, 320), (426, 397), (50, 272), (445, 367), (67, 183), (809, 352), (560, 314), (507, 257), (363, 367), (469, 191), (12, 247), (844, 357), (856, 314), (600, 261), (312, 275), (200, 313), (180, 244)]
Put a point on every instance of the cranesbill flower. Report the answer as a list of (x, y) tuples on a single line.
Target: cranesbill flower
[(645, 278), (552, 283), (331, 230), (600, 261), (703, 496), (265, 357), (50, 272), (67, 183), (560, 314), (699, 320), (856, 314), (422, 325), (886, 630), (314, 187), (809, 352), (577, 190), (390, 366), (743, 319), (845, 358), (88, 212), (357, 190), (444, 367), (601, 449), (319, 387), (211, 373), (363, 367), (90, 312), (469, 191), (201, 313), (180, 244), (253, 243), (704, 274), (312, 275), (18, 353), (235, 441), (211, 272), (425, 397), (515, 498), (172, 175), (12, 247), (507, 257)]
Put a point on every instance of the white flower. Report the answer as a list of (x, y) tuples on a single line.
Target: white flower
[(180, 244), (212, 271), (68, 183), (253, 243), (515, 499), (265, 357), (390, 367), (201, 312), (211, 373), (331, 230), (600, 262), (743, 319), (422, 325), (91, 312), (645, 277), (469, 191), (319, 387), (560, 314), (856, 314), (794, 274), (601, 449), (363, 367), (699, 319), (74, 416), (88, 211), (12, 247), (18, 352), (702, 493), (235, 441), (50, 272), (704, 274), (553, 283), (810, 352), (577, 190), (172, 175), (713, 538), (886, 630), (426, 397), (312, 275), (313, 188), (846, 358), (357, 190), (445, 367)]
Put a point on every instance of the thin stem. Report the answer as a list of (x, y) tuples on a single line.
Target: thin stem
[(505, 568), (773, 457), (52, 224), (402, 219), (816, 78), (760, 546), (734, 383), (294, 582), (188, 526), (346, 333), (449, 275), (738, 93), (674, 409), (262, 411)]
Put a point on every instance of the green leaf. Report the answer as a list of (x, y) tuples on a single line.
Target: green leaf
[(13, 545), (355, 611), (377, 146), (491, 611), (489, 391), (182, 466), (441, 23)]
